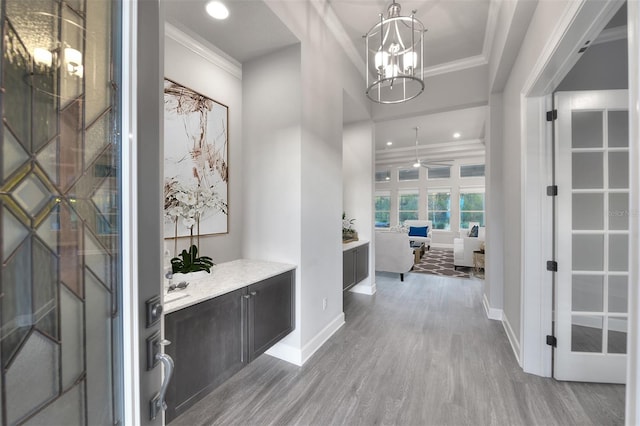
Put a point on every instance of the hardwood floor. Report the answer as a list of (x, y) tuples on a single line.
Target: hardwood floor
[(419, 352)]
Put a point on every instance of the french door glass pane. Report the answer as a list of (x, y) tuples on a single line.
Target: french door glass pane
[(586, 333), (587, 130), (617, 336), (618, 293), (618, 129), (587, 293), (587, 170), (588, 211), (588, 252)]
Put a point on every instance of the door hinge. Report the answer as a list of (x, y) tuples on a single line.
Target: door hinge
[(552, 190), (552, 341), (552, 115), (552, 266)]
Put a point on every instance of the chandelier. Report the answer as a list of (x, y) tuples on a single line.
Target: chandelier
[(394, 50)]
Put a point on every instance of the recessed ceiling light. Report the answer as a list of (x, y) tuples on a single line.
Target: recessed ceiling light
[(217, 10), (456, 135), (389, 143)]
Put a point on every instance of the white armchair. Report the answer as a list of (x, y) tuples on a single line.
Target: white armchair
[(419, 224), (393, 253), (464, 247)]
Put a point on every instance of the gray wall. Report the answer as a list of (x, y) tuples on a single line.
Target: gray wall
[(601, 67)]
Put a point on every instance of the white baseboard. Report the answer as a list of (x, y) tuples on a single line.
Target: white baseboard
[(364, 288), (299, 356), (316, 343), (515, 345), (492, 313)]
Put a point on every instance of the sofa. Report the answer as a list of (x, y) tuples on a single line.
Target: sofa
[(393, 253), (419, 224), (464, 246)]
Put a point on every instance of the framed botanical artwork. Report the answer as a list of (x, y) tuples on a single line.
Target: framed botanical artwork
[(196, 175)]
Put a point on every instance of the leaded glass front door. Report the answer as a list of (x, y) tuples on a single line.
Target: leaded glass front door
[(59, 214)]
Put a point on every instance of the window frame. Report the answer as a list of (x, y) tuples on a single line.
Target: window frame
[(484, 171), (411, 169), (439, 178), (408, 191), (388, 175), (375, 212), (472, 190), (430, 211)]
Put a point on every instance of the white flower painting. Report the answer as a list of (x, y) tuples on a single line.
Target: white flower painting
[(195, 169)]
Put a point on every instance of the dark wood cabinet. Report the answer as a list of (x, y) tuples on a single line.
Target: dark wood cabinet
[(348, 268), (355, 265), (214, 339), (362, 262), (206, 345), (271, 314)]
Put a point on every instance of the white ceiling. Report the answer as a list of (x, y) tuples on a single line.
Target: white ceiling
[(250, 31), (459, 32)]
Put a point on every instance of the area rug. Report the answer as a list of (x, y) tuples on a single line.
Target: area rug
[(439, 261)]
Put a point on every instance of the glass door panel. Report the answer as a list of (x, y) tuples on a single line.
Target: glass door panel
[(59, 214), (592, 226)]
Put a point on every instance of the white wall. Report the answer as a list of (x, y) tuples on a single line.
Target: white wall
[(495, 210), (602, 66), (454, 183), (545, 18), (301, 114), (272, 138), (357, 172), (183, 65)]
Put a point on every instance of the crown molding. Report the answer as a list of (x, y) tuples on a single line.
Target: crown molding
[(490, 29), (205, 50), (458, 65), (611, 34)]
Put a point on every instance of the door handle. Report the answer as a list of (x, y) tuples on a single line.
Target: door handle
[(158, 403)]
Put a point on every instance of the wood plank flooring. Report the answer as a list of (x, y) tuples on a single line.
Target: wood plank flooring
[(419, 352)]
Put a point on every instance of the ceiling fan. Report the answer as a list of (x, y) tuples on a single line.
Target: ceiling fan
[(429, 163)]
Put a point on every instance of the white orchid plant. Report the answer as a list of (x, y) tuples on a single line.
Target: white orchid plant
[(188, 205)]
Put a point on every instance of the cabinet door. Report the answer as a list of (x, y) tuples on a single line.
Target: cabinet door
[(271, 312), (348, 269), (206, 345), (362, 262)]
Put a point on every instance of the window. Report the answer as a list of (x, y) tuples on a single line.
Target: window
[(409, 174), (439, 208), (383, 209), (472, 170), (439, 172), (471, 207), (383, 175), (407, 206)]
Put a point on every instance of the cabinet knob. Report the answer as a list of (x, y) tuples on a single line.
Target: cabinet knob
[(253, 293), (246, 296)]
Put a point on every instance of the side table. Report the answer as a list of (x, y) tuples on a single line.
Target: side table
[(478, 260)]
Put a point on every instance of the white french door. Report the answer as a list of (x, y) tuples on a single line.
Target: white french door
[(592, 235)]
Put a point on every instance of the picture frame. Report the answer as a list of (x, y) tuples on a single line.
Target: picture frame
[(196, 173)]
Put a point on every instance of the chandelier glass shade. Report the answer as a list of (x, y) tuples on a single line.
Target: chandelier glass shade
[(394, 55)]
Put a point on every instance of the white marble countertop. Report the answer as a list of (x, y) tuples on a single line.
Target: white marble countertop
[(353, 244), (224, 278)]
